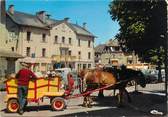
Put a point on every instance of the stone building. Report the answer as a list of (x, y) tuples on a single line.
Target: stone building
[(111, 53), (44, 41), (7, 57)]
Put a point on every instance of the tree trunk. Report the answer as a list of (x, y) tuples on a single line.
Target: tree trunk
[(159, 66), (159, 72)]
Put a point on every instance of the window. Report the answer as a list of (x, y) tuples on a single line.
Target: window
[(79, 66), (89, 43), (28, 51), (63, 39), (89, 65), (28, 36), (78, 42), (79, 54), (63, 51), (70, 41), (129, 61), (84, 66), (12, 49), (89, 55), (117, 48), (43, 52), (33, 55), (69, 52), (56, 39), (44, 38)]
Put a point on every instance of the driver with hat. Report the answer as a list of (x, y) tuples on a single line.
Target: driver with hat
[(23, 76)]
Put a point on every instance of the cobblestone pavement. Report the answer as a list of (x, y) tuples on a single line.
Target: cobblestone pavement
[(142, 104)]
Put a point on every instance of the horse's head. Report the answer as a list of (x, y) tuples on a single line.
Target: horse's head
[(141, 79), (81, 73), (86, 77)]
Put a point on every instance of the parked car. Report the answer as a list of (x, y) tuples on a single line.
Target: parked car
[(151, 76)]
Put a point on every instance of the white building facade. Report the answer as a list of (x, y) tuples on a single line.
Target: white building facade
[(45, 42)]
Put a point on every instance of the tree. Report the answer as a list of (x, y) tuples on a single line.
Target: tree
[(142, 28)]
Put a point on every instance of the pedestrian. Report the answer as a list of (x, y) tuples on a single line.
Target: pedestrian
[(23, 76), (70, 84)]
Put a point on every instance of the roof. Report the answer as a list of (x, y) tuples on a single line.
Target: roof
[(26, 19), (100, 48), (113, 42), (9, 54), (21, 18), (81, 30)]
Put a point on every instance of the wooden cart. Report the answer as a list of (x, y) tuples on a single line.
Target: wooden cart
[(37, 90)]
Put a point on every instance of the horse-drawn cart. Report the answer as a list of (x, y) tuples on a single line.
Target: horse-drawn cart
[(51, 88), (37, 90)]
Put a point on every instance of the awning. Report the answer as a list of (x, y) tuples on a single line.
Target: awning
[(9, 54)]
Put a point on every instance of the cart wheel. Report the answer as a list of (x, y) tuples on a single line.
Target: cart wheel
[(12, 105), (58, 104)]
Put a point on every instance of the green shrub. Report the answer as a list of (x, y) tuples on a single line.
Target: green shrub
[(2, 89)]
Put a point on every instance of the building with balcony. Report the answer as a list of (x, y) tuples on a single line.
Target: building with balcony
[(44, 41), (111, 53)]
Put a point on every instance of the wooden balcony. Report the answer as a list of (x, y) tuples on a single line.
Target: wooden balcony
[(63, 58), (63, 45)]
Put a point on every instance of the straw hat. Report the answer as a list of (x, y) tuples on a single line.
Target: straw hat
[(25, 64)]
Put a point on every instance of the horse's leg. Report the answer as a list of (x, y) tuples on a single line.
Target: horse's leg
[(120, 98), (114, 92), (89, 100), (101, 95), (85, 101), (128, 96)]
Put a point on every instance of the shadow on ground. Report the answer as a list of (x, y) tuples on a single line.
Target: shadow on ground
[(34, 108), (141, 105)]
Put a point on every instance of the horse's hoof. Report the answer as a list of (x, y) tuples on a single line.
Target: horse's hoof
[(120, 105), (100, 96), (84, 105), (89, 106), (129, 101)]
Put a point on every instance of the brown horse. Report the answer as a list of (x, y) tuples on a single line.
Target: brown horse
[(93, 79), (124, 76)]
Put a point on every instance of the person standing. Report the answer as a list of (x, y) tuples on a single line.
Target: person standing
[(71, 82), (23, 76)]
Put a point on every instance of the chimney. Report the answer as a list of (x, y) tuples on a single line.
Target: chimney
[(84, 25), (66, 19), (2, 12), (11, 9), (41, 15), (48, 16)]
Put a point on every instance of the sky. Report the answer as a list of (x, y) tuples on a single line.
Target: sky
[(93, 12)]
